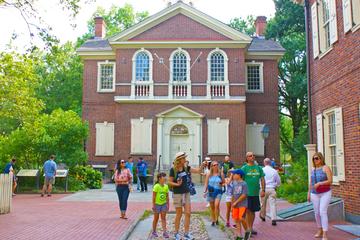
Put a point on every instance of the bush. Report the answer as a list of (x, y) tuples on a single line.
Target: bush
[(87, 175)]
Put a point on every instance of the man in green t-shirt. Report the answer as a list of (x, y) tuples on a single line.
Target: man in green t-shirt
[(253, 175)]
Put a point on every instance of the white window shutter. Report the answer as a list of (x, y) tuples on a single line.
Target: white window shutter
[(340, 144), (347, 15), (315, 30), (105, 139), (218, 136), (254, 141), (333, 22), (319, 133), (141, 136)]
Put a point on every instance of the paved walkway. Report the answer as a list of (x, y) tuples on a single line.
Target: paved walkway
[(94, 214)]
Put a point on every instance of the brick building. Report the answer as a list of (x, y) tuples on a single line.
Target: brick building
[(180, 81), (334, 86)]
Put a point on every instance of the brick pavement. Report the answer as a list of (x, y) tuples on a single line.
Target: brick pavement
[(38, 218)]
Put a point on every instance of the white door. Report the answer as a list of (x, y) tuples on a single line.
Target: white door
[(179, 144)]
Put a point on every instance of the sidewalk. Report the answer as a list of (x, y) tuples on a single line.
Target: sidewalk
[(94, 214)]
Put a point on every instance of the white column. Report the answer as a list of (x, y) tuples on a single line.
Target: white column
[(199, 138), (160, 142), (311, 149)]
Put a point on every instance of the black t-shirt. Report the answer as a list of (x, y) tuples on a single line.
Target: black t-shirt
[(185, 176)]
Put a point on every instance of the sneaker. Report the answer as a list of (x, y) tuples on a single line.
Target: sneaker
[(253, 232), (42, 195), (166, 235), (154, 234), (228, 224), (213, 224), (177, 236), (273, 222), (49, 195), (247, 235), (188, 236), (208, 205), (262, 218)]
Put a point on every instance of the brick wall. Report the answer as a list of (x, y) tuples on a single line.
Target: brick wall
[(335, 82)]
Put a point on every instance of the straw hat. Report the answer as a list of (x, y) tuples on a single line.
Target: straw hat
[(180, 155)]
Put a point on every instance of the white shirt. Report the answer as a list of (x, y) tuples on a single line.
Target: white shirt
[(272, 178)]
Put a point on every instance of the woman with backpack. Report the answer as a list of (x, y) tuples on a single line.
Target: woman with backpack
[(214, 189), (181, 185)]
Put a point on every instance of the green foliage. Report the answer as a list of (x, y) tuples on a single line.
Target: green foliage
[(295, 184), (117, 19), (60, 133), (60, 78), (18, 103), (87, 175), (244, 25)]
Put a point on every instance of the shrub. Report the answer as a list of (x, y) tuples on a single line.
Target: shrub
[(87, 175)]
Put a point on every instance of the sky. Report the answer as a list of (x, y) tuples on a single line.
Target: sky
[(61, 23)]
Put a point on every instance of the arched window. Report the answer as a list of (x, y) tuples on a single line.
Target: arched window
[(180, 66), (179, 129), (142, 69), (217, 63)]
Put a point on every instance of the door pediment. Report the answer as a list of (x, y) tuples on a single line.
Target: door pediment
[(179, 112)]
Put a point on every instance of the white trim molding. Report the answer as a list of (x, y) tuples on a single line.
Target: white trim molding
[(142, 88), (180, 88), (167, 100), (99, 65), (218, 88), (261, 76)]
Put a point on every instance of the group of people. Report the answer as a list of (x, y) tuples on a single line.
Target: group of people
[(49, 169)]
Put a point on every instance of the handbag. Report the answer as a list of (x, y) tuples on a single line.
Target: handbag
[(321, 188)]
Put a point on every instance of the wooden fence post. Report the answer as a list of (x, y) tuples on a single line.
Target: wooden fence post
[(6, 182)]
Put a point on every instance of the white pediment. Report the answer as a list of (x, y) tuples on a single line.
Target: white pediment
[(180, 112)]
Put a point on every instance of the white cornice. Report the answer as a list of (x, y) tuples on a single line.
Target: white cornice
[(166, 100)]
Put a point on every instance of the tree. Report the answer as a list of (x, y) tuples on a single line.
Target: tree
[(117, 19), (60, 133), (288, 28), (18, 103), (60, 78), (244, 25)]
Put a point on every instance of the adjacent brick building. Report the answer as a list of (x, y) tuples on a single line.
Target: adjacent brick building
[(335, 94), (180, 81)]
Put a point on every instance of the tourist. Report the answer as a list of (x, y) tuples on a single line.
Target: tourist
[(50, 173), (253, 175), (130, 165), (9, 169), (238, 190), (213, 188), (123, 180), (179, 180), (228, 198), (227, 165), (205, 172), (272, 181), (320, 193), (142, 173), (160, 202)]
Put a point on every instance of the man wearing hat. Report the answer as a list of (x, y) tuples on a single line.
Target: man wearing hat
[(179, 180)]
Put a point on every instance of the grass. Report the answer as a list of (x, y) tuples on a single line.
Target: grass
[(145, 215)]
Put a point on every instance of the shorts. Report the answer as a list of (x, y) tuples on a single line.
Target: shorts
[(228, 199), (212, 199), (49, 180), (253, 203), (238, 213), (180, 199), (161, 208)]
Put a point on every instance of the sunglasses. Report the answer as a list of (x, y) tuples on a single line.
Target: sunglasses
[(251, 156), (316, 158), (122, 162), (215, 165)]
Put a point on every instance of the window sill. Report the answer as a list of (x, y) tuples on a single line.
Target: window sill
[(106, 91), (104, 155), (325, 53), (139, 153), (218, 154), (355, 28), (250, 91)]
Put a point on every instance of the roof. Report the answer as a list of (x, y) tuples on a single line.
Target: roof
[(264, 45), (95, 45)]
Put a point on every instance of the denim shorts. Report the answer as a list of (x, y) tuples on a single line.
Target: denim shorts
[(212, 199), (160, 208)]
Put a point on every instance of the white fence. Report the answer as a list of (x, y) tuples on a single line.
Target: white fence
[(5, 193)]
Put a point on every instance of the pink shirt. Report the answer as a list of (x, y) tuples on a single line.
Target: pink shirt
[(123, 177)]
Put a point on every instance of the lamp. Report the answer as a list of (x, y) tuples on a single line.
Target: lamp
[(265, 132)]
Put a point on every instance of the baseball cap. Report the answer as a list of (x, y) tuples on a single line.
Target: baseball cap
[(238, 171)]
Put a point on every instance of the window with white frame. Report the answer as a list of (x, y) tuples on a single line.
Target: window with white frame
[(217, 67), (254, 77), (141, 136), (180, 67), (324, 25), (332, 139), (106, 76), (351, 14), (104, 139), (142, 69)]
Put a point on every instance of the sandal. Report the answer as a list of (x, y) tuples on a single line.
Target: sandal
[(318, 235), (123, 217)]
